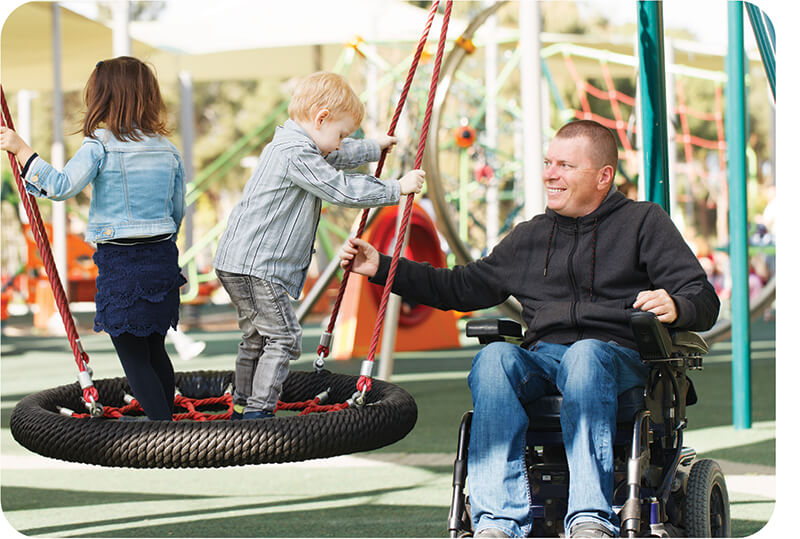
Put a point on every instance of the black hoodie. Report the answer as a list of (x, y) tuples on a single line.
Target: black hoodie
[(576, 278)]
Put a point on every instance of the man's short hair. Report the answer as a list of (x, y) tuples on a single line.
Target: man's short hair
[(603, 141), (324, 90)]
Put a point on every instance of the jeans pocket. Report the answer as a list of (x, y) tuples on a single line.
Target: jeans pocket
[(240, 290)]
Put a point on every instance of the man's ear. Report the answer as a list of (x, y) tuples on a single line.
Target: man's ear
[(321, 116), (606, 178)]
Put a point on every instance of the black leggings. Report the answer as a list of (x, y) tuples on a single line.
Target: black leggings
[(149, 371)]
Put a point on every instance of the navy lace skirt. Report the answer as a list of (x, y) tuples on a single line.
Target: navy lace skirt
[(138, 288)]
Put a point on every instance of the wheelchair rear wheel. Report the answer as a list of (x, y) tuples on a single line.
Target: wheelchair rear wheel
[(707, 505)]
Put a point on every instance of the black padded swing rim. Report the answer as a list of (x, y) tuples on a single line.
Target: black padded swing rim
[(388, 415)]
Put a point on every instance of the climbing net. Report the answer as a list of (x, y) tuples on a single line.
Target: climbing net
[(209, 408)]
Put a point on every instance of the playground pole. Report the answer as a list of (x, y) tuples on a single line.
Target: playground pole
[(59, 207), (654, 102), (737, 193), (490, 133), (530, 26), (186, 92)]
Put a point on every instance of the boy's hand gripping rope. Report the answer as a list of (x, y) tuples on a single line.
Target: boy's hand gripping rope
[(325, 340), (90, 396), (364, 383)]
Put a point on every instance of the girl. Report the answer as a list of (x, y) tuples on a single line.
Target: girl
[(137, 205)]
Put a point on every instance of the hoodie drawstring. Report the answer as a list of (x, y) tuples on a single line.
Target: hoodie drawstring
[(549, 243), (594, 250)]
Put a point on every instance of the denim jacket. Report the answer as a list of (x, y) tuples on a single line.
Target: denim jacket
[(137, 187), (270, 232)]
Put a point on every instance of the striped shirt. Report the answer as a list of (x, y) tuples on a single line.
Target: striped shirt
[(270, 232)]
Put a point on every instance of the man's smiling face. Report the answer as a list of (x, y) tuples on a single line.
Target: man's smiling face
[(574, 182)]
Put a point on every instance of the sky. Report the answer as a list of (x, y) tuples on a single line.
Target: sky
[(706, 19)]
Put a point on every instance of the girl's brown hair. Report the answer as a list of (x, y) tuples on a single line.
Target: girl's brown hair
[(123, 95)]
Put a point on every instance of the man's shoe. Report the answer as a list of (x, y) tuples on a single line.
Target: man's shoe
[(490, 532), (261, 414), (589, 529)]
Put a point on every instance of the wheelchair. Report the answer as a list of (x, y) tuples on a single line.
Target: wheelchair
[(661, 488)]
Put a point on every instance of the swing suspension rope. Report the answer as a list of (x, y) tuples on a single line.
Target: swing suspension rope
[(194, 407), (91, 398), (323, 350), (364, 383)]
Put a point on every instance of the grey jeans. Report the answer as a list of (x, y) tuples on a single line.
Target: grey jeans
[(271, 337)]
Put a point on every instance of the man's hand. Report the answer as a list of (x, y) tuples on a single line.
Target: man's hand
[(360, 257), (385, 141), (659, 303)]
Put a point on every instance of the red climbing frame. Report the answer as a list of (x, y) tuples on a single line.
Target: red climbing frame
[(684, 137)]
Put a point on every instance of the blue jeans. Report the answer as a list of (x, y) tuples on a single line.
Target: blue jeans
[(271, 337), (589, 374)]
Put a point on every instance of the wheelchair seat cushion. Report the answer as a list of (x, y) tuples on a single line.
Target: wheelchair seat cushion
[(544, 413)]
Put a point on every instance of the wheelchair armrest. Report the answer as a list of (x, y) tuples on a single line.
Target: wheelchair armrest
[(656, 342), (494, 329), (689, 342), (652, 338)]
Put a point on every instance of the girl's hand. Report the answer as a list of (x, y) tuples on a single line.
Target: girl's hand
[(360, 257), (12, 143), (412, 182), (386, 141)]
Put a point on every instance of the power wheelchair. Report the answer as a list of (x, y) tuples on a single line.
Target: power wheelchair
[(661, 489)]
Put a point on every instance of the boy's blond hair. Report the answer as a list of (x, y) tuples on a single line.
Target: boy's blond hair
[(324, 90)]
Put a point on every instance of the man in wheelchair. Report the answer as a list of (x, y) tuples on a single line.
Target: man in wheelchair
[(579, 271)]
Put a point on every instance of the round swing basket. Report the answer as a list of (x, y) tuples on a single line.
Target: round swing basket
[(388, 414)]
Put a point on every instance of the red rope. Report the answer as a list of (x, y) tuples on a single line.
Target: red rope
[(324, 349), (614, 96), (365, 382), (689, 140), (90, 394), (194, 407)]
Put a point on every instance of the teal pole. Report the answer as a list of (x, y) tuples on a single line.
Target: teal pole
[(654, 102), (765, 40), (735, 134)]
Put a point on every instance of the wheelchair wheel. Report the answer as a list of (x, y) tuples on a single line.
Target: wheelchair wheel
[(707, 506)]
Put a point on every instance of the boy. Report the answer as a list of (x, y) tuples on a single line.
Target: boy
[(264, 253)]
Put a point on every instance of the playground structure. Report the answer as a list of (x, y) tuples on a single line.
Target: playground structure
[(385, 222), (582, 81), (495, 164)]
